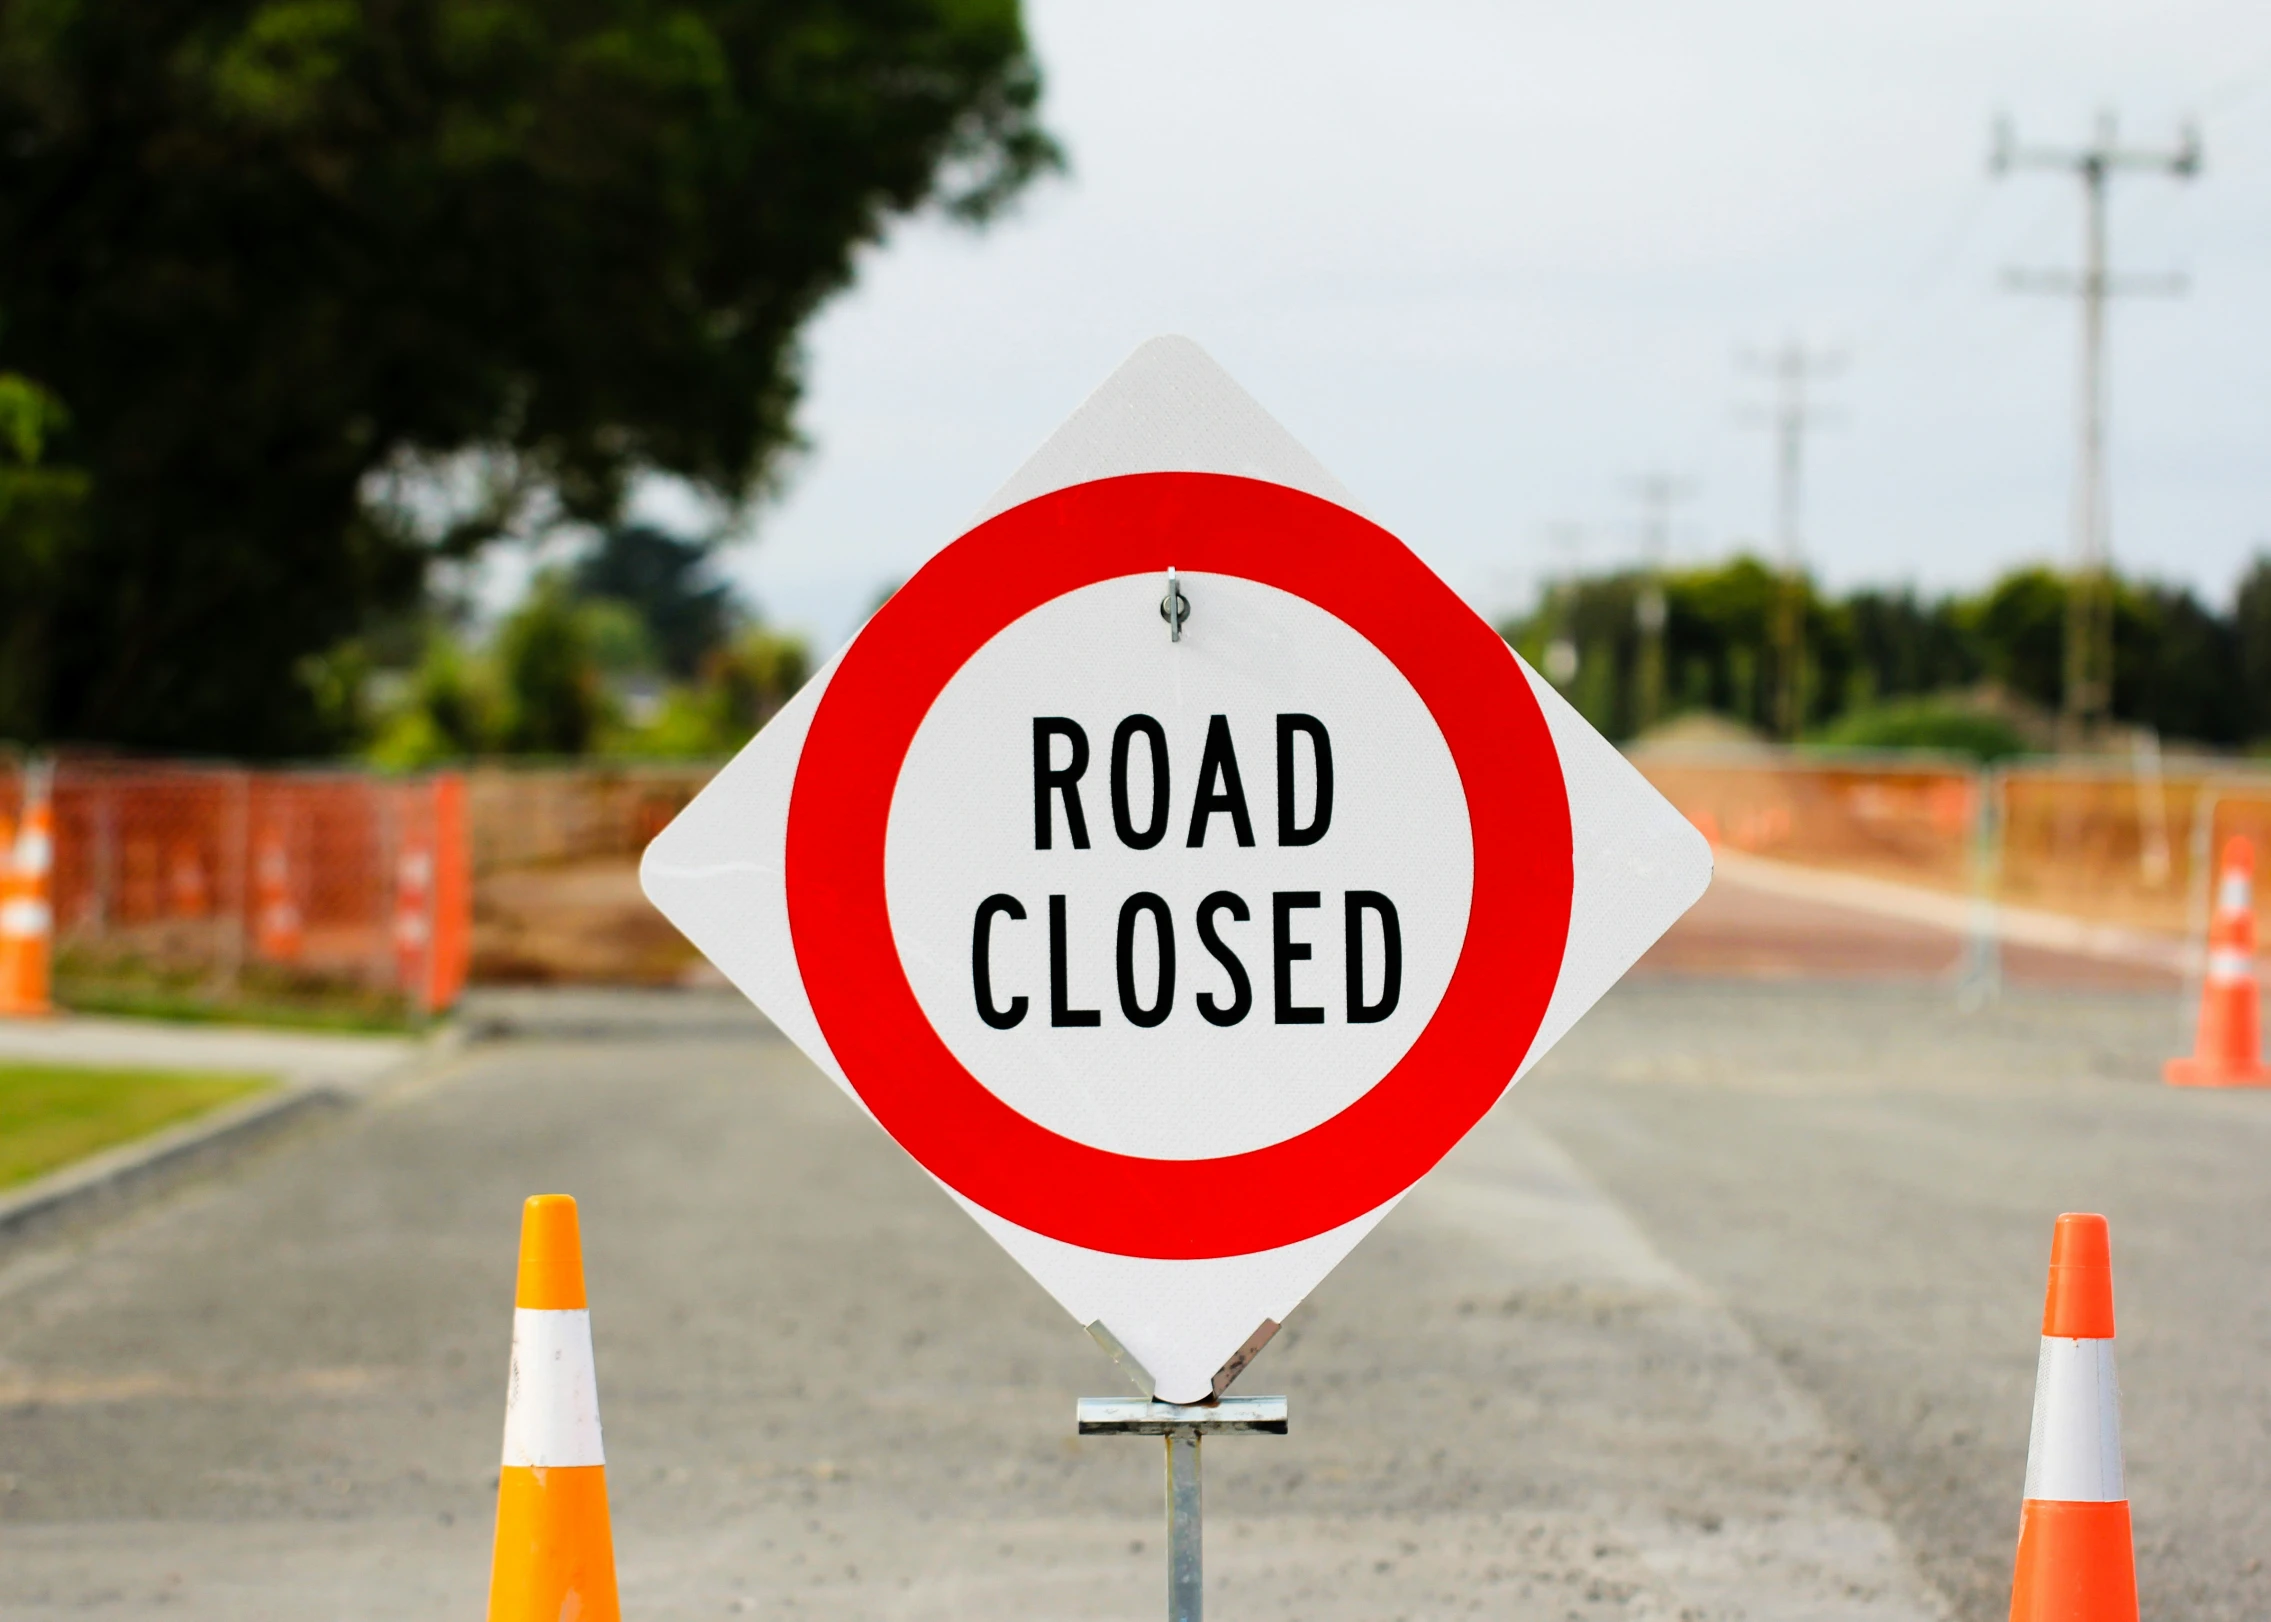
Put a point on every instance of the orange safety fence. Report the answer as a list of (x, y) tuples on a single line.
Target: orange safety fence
[(555, 860), (179, 882), (2111, 842), (534, 816), (213, 882), (1906, 821)]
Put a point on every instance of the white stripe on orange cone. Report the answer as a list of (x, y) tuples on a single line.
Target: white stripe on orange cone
[(555, 1554), (2076, 1562), (552, 1399), (276, 916), (2227, 1047)]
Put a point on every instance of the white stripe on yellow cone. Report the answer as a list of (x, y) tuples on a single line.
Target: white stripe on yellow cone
[(552, 1401), (2074, 1453)]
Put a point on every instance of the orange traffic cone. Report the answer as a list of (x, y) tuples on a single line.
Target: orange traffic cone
[(275, 916), (555, 1554), (2076, 1563), (2227, 1047), (414, 925), (27, 921)]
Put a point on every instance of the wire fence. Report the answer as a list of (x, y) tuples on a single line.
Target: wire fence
[(212, 887), (181, 887), (2123, 851)]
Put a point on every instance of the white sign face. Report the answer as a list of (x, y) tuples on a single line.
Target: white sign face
[(1155, 783), (1176, 956)]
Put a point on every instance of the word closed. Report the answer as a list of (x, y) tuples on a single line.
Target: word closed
[(1145, 815)]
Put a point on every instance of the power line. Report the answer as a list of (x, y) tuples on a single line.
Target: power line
[(1657, 492), (2088, 695), (1794, 369)]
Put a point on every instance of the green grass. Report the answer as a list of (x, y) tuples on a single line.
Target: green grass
[(370, 1016), (51, 1115), (90, 982)]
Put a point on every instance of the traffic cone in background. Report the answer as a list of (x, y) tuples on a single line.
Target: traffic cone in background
[(555, 1555), (276, 916), (2076, 1562), (2227, 1048), (27, 920), (414, 925)]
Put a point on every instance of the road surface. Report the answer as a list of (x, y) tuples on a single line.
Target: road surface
[(1729, 1311)]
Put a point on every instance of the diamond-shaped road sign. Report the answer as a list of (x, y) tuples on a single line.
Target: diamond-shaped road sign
[(1176, 869)]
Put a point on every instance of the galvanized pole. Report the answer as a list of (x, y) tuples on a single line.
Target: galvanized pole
[(1182, 1424), (1186, 1580)]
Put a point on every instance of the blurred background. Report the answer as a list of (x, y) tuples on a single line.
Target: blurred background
[(537, 395), (436, 434)]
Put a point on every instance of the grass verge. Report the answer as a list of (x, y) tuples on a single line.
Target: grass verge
[(371, 1016), (51, 1115)]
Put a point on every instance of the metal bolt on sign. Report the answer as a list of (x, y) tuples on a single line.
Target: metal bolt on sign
[(1174, 608)]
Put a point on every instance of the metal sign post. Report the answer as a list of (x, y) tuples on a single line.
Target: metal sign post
[(1183, 1427)]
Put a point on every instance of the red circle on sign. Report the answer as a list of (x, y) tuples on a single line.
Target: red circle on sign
[(1130, 1205)]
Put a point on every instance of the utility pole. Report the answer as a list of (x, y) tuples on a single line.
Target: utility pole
[(1657, 493), (2088, 695), (1567, 540), (1792, 367)]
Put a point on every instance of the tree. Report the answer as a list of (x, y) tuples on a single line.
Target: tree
[(2020, 630), (42, 523), (2176, 665), (661, 579), (268, 252), (2251, 624), (1719, 643), (547, 653), (1903, 647)]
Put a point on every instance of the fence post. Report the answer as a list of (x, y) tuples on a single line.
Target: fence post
[(2196, 909), (452, 948), (236, 840), (1981, 982)]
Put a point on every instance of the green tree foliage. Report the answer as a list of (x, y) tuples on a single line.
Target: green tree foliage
[(740, 689), (1925, 723), (548, 654), (2251, 631), (1720, 650), (662, 579), (2019, 628), (42, 526), (1872, 659), (1903, 646), (268, 251)]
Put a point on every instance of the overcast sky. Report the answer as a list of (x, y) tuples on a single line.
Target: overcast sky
[(1490, 261)]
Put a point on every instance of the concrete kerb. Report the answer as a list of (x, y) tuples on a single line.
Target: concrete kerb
[(118, 1179)]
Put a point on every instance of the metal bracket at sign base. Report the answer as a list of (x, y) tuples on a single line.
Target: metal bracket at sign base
[(1185, 1426), (1243, 1356), (1137, 1374), (1232, 1416)]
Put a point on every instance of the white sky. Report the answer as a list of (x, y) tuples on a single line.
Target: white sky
[(1489, 261)]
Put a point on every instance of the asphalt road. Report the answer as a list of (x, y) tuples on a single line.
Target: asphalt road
[(1729, 1312), (1869, 1181)]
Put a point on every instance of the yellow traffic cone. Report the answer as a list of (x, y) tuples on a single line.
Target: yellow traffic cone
[(555, 1556)]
